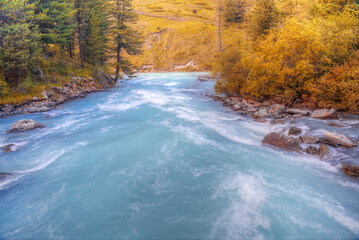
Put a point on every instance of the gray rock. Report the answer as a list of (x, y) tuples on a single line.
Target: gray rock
[(277, 121), (324, 114), (281, 141), (262, 113), (25, 125), (294, 131), (339, 139), (309, 139), (300, 112)]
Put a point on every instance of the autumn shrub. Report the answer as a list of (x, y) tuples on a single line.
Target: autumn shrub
[(4, 88), (339, 88), (284, 62)]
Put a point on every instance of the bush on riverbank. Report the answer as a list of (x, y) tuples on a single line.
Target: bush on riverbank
[(310, 59)]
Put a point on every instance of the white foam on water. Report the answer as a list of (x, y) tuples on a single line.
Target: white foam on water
[(42, 164), (194, 136), (244, 217), (122, 107), (171, 84)]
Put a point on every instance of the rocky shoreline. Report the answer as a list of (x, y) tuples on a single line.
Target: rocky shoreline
[(78, 87), (292, 138)]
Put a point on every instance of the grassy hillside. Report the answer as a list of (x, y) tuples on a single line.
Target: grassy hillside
[(177, 31)]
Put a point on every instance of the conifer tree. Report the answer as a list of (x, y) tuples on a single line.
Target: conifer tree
[(125, 37), (263, 16), (234, 11), (54, 19)]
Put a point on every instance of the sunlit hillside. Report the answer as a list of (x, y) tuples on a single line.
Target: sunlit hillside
[(176, 32), (179, 31)]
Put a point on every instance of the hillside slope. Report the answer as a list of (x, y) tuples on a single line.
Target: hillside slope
[(177, 32)]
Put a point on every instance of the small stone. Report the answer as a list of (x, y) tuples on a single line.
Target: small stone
[(281, 141), (352, 171), (277, 121), (294, 131), (335, 125), (277, 109), (299, 112)]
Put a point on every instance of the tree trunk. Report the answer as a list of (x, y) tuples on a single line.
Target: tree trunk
[(118, 59), (79, 35), (220, 26)]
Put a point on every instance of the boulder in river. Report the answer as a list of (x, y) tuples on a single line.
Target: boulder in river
[(7, 148), (339, 139), (294, 131), (281, 141), (25, 125), (325, 114)]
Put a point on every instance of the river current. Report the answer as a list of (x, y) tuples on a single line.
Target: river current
[(155, 158)]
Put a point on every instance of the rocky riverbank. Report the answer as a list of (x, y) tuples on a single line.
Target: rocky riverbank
[(291, 138), (77, 87)]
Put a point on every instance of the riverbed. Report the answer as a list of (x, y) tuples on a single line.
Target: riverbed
[(155, 158)]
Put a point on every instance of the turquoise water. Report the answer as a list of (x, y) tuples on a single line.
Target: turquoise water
[(156, 159)]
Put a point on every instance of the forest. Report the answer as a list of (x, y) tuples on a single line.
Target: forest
[(43, 42), (293, 54)]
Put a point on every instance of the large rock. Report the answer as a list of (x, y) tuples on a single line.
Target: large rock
[(324, 114), (309, 139), (25, 125), (281, 141), (339, 139), (294, 131), (301, 112)]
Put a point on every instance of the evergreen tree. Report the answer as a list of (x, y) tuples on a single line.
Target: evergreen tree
[(263, 16), (234, 11), (54, 19), (97, 38), (125, 37)]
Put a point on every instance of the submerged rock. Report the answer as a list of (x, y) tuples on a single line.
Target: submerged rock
[(324, 114), (339, 139), (25, 125), (281, 141), (294, 131), (7, 148), (335, 125), (4, 175)]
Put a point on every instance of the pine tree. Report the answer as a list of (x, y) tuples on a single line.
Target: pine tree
[(263, 17), (125, 37), (54, 19), (234, 11), (97, 38)]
